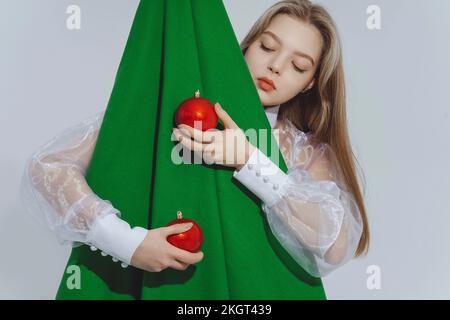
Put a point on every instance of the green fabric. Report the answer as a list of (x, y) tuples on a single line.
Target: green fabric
[(176, 47)]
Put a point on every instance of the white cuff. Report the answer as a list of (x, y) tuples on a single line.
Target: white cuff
[(115, 237), (262, 177)]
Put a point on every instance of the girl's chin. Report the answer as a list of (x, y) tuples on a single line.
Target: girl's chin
[(264, 97)]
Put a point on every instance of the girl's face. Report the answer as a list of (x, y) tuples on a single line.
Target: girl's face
[(287, 53)]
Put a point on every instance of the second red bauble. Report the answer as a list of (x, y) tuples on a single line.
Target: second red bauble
[(197, 109), (190, 240)]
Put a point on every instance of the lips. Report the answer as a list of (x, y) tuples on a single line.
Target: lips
[(266, 84)]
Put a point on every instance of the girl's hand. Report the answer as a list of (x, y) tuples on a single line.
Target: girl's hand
[(228, 147), (155, 253)]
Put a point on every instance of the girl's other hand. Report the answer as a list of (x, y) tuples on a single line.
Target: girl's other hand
[(155, 253)]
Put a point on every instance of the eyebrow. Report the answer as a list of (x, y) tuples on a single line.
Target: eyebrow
[(299, 53)]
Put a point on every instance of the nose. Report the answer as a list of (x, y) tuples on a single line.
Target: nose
[(278, 62), (274, 68)]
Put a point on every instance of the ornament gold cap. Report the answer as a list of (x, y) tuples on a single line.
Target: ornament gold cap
[(179, 215), (197, 94)]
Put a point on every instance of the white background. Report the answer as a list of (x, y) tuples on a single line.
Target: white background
[(397, 80)]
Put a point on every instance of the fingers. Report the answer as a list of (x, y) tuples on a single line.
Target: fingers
[(186, 256), (198, 135), (210, 149), (187, 143), (177, 228), (226, 119), (177, 265)]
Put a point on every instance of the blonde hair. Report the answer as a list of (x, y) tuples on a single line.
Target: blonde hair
[(322, 110)]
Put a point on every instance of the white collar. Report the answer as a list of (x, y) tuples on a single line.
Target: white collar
[(272, 114)]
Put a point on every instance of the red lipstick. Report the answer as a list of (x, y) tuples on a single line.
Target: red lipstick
[(266, 84)]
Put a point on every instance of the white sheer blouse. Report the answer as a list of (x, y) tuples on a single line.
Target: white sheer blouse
[(308, 209)]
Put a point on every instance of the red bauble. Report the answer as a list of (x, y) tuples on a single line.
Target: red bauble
[(190, 240), (197, 109)]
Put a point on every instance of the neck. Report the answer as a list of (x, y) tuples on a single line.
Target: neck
[(272, 114), (272, 107)]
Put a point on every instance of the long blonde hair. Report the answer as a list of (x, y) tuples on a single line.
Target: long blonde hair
[(322, 110)]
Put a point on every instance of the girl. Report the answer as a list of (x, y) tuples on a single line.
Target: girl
[(315, 210), (294, 56)]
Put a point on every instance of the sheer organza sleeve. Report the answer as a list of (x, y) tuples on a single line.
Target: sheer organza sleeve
[(309, 209), (55, 192)]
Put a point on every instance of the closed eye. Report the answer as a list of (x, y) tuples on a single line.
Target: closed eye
[(298, 69), (262, 46)]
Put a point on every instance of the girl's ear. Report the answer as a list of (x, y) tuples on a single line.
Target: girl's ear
[(311, 84)]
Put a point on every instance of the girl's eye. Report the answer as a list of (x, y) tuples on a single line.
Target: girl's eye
[(265, 48), (298, 69)]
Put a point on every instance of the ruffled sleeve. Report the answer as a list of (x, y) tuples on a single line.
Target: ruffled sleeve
[(309, 209), (55, 192)]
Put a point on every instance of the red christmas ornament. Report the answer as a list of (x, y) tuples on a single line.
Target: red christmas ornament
[(190, 240), (197, 109)]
